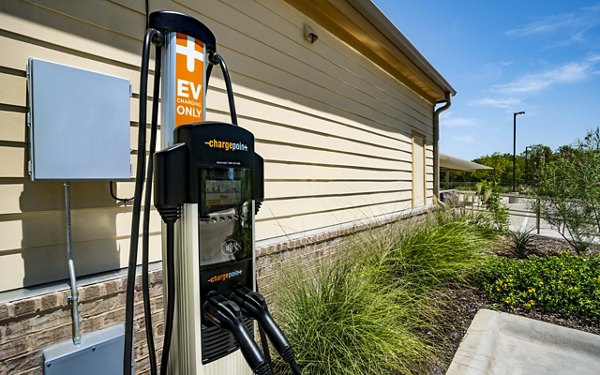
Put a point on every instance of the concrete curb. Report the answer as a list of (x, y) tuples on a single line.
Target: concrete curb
[(501, 343)]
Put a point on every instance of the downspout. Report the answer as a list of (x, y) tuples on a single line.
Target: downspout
[(436, 146)]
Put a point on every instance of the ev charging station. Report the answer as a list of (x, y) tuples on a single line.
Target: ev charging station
[(208, 185)]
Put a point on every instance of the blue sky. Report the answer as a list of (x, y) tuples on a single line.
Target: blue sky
[(538, 56)]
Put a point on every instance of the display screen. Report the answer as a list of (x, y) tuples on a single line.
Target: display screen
[(225, 216), (224, 188), (223, 193)]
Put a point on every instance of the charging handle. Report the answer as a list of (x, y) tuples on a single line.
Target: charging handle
[(171, 180), (227, 315), (253, 304)]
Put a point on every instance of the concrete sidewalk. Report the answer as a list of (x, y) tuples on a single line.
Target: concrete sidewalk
[(505, 344), (523, 218)]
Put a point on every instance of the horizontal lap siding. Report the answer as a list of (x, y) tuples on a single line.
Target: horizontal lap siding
[(344, 120), (94, 35), (334, 129)]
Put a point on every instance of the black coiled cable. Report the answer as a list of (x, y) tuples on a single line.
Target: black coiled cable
[(170, 309), (216, 59), (146, 217), (295, 368), (150, 35)]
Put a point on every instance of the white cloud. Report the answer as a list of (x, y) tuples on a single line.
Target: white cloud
[(450, 121), (574, 23), (591, 8), (565, 28), (511, 94), (544, 26), (567, 74), (497, 102)]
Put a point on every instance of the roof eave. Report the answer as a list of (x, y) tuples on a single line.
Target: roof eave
[(360, 24), (371, 12)]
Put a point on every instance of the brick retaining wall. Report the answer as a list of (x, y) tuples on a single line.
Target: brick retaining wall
[(30, 325)]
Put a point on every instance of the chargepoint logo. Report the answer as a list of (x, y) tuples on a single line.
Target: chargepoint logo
[(226, 145), (230, 247), (225, 276)]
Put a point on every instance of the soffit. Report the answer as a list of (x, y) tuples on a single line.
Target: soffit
[(360, 24)]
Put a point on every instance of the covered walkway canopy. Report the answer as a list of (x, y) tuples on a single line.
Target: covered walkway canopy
[(451, 163)]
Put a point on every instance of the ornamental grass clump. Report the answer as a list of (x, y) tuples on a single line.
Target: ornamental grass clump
[(376, 309), (342, 321), (433, 254)]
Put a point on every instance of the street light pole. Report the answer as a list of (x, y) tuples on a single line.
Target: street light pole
[(514, 181), (527, 164)]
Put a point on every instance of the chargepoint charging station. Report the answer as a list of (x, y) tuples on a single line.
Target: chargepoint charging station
[(208, 185)]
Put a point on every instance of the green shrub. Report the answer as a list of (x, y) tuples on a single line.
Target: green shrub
[(562, 284), (489, 197), (568, 193)]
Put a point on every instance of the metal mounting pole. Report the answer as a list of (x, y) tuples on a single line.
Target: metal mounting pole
[(538, 215), (74, 297), (514, 174), (514, 177)]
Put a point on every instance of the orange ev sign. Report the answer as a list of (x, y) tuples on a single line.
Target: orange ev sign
[(189, 92)]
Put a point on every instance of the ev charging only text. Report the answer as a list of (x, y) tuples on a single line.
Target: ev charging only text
[(189, 86), (184, 89)]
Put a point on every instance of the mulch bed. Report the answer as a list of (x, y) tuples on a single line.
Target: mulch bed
[(463, 303)]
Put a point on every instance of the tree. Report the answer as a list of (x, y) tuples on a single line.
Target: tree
[(537, 156), (568, 191), (502, 164)]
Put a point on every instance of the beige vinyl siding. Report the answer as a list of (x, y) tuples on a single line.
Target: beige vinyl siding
[(419, 189), (335, 130)]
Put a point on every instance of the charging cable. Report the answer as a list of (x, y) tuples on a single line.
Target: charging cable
[(253, 305), (114, 195), (216, 59), (170, 309), (151, 36)]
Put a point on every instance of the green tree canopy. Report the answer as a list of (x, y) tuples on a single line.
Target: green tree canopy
[(535, 157), (502, 164)]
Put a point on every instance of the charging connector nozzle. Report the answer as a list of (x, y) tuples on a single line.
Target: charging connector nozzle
[(227, 315), (253, 305)]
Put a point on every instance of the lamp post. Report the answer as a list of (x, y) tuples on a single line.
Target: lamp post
[(527, 164), (514, 185)]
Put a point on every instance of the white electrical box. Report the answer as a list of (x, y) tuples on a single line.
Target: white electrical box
[(79, 124)]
